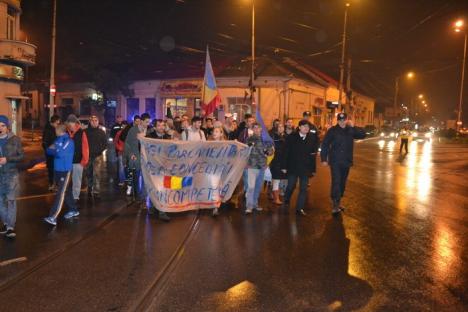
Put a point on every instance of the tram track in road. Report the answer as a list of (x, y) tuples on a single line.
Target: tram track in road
[(67, 247), (152, 294)]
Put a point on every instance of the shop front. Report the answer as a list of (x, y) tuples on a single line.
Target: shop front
[(181, 97)]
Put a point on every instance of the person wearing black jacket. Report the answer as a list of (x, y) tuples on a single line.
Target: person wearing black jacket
[(48, 138), (337, 151), (158, 132), (279, 137), (97, 141), (298, 162)]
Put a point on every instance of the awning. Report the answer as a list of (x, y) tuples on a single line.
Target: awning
[(17, 97)]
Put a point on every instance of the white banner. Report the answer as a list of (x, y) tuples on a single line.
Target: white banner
[(182, 175)]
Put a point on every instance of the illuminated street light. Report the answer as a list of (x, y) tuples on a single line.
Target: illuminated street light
[(421, 96), (459, 26), (409, 75)]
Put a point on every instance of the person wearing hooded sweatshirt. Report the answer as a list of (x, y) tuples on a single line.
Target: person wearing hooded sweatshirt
[(48, 138), (81, 154), (11, 153), (63, 151)]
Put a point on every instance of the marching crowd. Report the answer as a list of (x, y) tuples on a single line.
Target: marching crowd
[(288, 153)]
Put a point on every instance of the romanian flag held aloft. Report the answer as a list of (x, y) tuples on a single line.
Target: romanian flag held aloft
[(177, 183), (210, 94)]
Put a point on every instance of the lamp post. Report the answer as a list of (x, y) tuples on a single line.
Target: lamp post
[(252, 73), (342, 62), (52, 88), (459, 26), (409, 75)]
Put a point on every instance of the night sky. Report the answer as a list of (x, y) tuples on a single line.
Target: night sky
[(386, 38)]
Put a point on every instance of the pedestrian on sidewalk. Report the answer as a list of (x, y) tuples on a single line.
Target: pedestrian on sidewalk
[(299, 163), (48, 138), (80, 155), (337, 151), (63, 151), (256, 166), (11, 153), (97, 141)]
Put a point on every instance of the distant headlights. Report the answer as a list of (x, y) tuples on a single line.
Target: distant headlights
[(428, 135), (415, 135)]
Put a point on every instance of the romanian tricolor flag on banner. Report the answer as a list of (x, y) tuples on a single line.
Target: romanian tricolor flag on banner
[(177, 183), (210, 94)]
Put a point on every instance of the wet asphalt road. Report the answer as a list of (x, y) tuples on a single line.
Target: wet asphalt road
[(401, 245)]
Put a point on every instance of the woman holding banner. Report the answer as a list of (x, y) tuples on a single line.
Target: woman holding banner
[(217, 135)]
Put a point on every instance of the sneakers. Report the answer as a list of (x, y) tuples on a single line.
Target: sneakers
[(129, 190), (215, 212), (301, 212), (248, 211), (10, 233), (258, 208), (51, 188), (163, 216), (71, 214), (51, 221), (3, 229)]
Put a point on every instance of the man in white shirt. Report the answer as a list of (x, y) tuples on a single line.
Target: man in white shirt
[(194, 132)]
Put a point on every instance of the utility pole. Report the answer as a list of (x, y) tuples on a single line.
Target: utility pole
[(342, 64), (460, 103), (395, 99), (348, 89), (52, 88)]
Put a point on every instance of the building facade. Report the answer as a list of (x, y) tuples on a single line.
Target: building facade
[(15, 55)]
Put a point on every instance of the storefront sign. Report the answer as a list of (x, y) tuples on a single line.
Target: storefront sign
[(11, 72), (192, 88), (180, 176)]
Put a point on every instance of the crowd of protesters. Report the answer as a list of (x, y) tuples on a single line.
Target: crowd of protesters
[(288, 156)]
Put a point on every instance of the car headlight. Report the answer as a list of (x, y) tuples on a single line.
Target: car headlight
[(415, 135), (382, 134), (428, 135), (392, 134)]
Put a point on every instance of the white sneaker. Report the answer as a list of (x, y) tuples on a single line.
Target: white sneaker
[(248, 211), (129, 190), (258, 208)]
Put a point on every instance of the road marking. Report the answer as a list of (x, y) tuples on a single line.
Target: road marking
[(11, 261)]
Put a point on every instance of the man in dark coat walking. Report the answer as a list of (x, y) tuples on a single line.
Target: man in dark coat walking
[(97, 145), (298, 162), (337, 151)]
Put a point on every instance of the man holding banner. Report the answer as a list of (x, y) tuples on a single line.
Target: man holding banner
[(181, 175)]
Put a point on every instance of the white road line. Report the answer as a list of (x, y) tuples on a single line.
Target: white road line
[(11, 261)]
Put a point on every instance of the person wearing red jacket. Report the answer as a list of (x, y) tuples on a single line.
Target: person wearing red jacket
[(119, 150), (81, 154)]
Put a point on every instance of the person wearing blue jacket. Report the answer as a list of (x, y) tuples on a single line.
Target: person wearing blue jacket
[(63, 150)]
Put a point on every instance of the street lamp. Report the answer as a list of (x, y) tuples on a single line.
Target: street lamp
[(421, 96), (52, 88), (408, 75), (343, 52), (459, 27)]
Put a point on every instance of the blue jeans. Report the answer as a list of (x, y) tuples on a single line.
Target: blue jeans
[(77, 177), (254, 186), (64, 193), (301, 198), (9, 185)]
